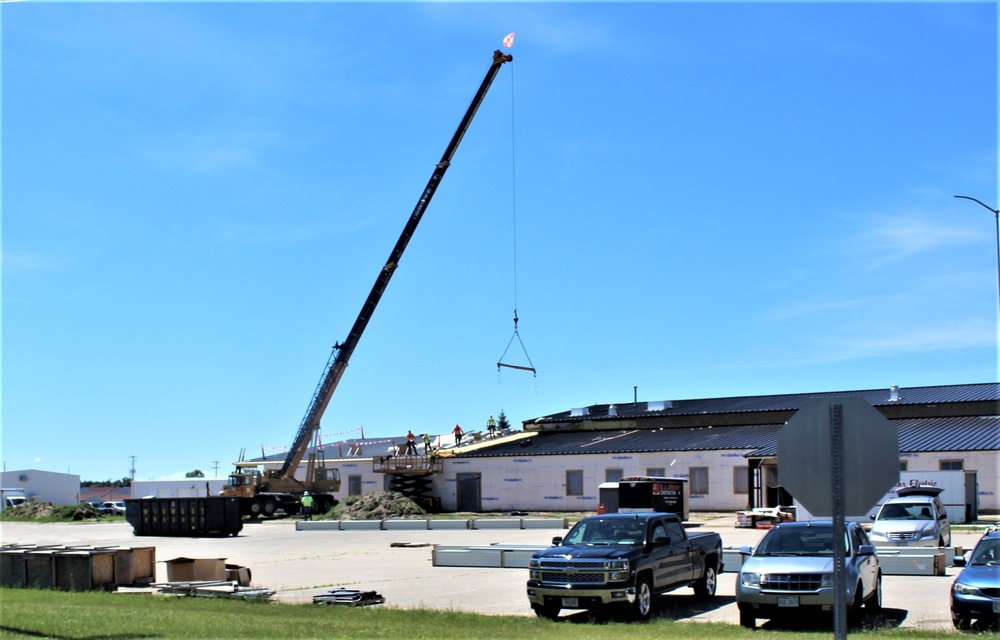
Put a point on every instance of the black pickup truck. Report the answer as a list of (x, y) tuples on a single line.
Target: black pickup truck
[(622, 560)]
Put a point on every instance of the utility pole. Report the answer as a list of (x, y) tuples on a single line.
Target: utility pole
[(132, 470), (215, 468)]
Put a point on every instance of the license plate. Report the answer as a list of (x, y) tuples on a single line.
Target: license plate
[(996, 607), (570, 603), (788, 601)]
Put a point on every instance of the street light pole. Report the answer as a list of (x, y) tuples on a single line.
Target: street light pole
[(996, 215)]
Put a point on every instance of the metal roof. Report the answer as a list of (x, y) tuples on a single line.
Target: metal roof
[(924, 435), (981, 392), (632, 441), (978, 433)]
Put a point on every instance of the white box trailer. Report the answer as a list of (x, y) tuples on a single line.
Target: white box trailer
[(12, 497), (959, 494)]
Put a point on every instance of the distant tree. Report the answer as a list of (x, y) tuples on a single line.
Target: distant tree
[(502, 422), (194, 474), (124, 482)]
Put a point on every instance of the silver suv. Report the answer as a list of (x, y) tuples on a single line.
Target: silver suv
[(916, 517), (791, 572), (112, 508)]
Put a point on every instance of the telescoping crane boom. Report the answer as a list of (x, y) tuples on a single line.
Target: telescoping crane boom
[(341, 354)]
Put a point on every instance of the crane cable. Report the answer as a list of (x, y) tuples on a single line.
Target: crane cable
[(513, 181)]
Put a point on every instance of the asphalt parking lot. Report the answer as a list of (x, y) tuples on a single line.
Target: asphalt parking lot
[(297, 565)]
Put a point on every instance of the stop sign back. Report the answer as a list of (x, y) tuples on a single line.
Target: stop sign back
[(870, 456)]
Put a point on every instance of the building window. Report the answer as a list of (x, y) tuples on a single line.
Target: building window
[(656, 472), (902, 465), (951, 465), (354, 485), (613, 475), (698, 479), (574, 482), (741, 480)]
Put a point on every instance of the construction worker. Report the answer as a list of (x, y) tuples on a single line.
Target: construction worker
[(411, 443), (491, 427), (458, 434), (427, 443), (307, 506)]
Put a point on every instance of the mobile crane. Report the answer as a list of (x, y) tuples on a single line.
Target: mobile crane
[(262, 492)]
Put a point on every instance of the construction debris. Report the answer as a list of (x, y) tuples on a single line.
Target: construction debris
[(350, 597), (212, 589)]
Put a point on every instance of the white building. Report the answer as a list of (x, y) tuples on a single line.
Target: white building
[(724, 447), (43, 486), (180, 488)]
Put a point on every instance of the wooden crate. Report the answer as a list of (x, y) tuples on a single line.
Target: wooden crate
[(135, 566), (84, 570)]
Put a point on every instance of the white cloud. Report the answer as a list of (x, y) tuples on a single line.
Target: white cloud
[(31, 261), (895, 238)]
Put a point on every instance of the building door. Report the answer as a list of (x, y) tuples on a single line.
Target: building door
[(468, 492), (971, 496)]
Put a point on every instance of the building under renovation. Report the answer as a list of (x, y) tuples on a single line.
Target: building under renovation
[(724, 447)]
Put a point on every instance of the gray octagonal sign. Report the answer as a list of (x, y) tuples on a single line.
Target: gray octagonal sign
[(870, 456)]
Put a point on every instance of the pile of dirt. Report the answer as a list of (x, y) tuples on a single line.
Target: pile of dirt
[(29, 511), (48, 511), (377, 506)]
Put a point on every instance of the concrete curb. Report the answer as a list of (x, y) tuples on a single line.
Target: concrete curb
[(420, 524)]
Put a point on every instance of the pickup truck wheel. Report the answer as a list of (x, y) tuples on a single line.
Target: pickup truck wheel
[(643, 605), (542, 611), (747, 619), (705, 587)]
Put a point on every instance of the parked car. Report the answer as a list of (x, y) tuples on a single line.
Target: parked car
[(916, 517), (791, 571), (112, 508), (975, 594)]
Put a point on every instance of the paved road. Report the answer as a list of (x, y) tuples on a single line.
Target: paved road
[(300, 564)]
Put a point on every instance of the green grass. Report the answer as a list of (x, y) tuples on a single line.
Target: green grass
[(30, 613)]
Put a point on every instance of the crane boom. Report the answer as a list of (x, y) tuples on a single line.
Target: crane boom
[(342, 352)]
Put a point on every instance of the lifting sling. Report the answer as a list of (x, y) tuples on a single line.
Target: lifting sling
[(501, 363)]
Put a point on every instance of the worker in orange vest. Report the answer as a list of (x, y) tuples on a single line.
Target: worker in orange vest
[(458, 434)]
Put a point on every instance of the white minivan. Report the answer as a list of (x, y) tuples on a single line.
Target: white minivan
[(916, 517)]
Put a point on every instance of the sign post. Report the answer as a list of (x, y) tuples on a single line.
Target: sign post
[(839, 528), (862, 448)]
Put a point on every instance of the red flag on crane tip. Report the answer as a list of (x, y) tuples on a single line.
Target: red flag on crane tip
[(509, 40)]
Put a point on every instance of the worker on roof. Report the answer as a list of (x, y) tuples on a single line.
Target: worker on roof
[(411, 443), (427, 443), (458, 434), (491, 427)]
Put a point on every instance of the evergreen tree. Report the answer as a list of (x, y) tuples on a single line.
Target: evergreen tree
[(502, 422)]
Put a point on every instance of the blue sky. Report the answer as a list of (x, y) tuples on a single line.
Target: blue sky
[(695, 200)]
